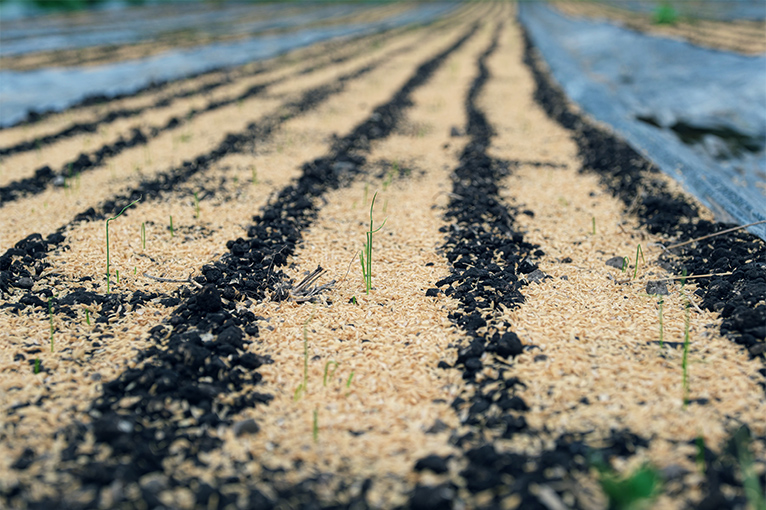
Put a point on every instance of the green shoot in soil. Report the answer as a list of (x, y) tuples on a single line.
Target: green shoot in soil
[(638, 251), (594, 225), (303, 387), (348, 382), (108, 260), (353, 298), (660, 303), (254, 178), (625, 262), (685, 361), (87, 317), (50, 314), (393, 173), (327, 372), (143, 235), (37, 366), (367, 261), (172, 231), (315, 428), (196, 205), (117, 275)]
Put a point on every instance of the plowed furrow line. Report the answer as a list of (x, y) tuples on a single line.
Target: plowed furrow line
[(320, 55), (219, 331), (172, 121)]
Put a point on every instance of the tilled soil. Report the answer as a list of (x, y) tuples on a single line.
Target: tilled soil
[(514, 345)]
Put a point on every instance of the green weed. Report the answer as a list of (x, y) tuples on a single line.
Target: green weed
[(367, 261), (632, 492), (254, 176), (37, 366), (87, 317), (172, 230), (143, 235), (594, 225), (665, 14), (108, 259)]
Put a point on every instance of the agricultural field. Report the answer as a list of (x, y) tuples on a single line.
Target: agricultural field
[(393, 269)]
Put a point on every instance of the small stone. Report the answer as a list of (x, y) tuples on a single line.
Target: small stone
[(433, 463), (59, 181), (616, 262), (25, 282), (758, 349), (438, 426), (658, 288), (246, 427), (536, 276)]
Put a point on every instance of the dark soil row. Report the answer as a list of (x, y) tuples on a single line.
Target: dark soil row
[(45, 176), (30, 253), (139, 436)]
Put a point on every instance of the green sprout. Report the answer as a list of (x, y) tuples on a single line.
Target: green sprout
[(641, 252), (353, 298), (390, 175), (172, 231), (594, 225), (660, 303), (50, 315), (117, 275), (315, 428), (367, 261), (350, 377), (625, 262), (303, 387), (327, 372), (87, 317), (108, 259), (685, 361), (254, 178), (196, 205), (143, 235), (37, 366)]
